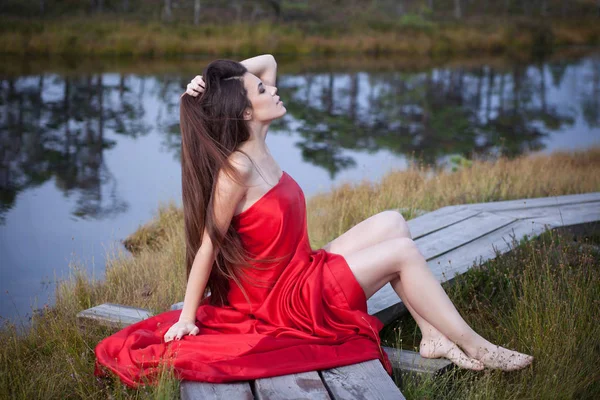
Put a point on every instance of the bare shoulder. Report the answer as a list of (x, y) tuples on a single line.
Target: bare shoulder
[(227, 185), (242, 164), (228, 191)]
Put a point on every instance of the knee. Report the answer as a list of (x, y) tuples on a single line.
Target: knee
[(394, 224), (404, 251)]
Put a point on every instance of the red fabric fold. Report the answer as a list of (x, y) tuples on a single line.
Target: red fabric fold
[(312, 317)]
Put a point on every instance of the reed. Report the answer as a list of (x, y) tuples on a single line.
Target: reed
[(104, 37)]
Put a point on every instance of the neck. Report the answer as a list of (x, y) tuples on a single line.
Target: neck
[(258, 134)]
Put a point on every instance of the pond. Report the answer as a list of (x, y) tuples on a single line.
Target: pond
[(90, 149)]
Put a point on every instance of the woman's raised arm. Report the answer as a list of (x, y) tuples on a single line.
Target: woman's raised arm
[(263, 66)]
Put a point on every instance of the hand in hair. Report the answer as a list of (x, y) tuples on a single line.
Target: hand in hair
[(180, 329), (195, 87)]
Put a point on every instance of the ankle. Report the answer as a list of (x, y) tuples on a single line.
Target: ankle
[(477, 348), (430, 334)]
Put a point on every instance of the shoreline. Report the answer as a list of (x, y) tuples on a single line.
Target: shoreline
[(104, 37)]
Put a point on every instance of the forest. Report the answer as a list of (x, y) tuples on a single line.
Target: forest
[(298, 11)]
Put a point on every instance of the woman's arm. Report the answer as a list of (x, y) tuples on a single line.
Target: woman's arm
[(228, 194), (263, 66), (198, 279)]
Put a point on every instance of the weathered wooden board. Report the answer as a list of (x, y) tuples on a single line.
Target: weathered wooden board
[(457, 262), (191, 390), (572, 214), (456, 235), (306, 385), (114, 315), (438, 219), (535, 202), (410, 361), (365, 380), (386, 305)]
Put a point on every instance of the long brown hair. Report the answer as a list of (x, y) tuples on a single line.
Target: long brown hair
[(212, 127)]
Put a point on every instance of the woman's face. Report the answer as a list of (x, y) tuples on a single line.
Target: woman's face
[(266, 105)]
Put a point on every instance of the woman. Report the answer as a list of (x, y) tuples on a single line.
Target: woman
[(276, 306)]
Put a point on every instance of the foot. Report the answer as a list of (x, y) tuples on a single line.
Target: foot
[(443, 347), (500, 358)]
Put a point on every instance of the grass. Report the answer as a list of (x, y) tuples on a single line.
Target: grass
[(410, 35), (541, 298)]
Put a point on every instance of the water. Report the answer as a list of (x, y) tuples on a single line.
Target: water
[(88, 153)]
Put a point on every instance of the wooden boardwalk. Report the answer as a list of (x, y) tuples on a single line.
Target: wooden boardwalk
[(452, 239)]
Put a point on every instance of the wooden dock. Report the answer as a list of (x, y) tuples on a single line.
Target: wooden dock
[(365, 380), (452, 239)]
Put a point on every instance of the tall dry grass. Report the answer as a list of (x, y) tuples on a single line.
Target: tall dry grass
[(54, 359), (425, 188), (98, 36)]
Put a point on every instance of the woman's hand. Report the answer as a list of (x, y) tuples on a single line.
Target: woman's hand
[(180, 329), (195, 87)]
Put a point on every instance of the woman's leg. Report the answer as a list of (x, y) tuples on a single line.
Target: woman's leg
[(400, 260), (379, 228)]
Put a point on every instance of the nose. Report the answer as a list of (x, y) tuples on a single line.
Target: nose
[(274, 90)]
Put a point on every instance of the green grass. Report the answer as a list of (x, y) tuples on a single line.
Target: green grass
[(541, 298)]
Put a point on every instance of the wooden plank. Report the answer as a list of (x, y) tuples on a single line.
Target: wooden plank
[(434, 221), (572, 214), (365, 380), (457, 262), (535, 202), (192, 390), (458, 234), (113, 315), (305, 385), (410, 361), (385, 303)]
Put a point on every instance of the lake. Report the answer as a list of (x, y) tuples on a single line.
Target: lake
[(89, 149)]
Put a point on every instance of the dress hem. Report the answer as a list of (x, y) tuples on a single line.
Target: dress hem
[(353, 292)]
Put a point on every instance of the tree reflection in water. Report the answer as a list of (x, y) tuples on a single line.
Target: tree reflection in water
[(55, 126)]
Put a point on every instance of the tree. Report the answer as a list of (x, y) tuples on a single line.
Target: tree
[(196, 12), (457, 9), (544, 10), (167, 13), (276, 5)]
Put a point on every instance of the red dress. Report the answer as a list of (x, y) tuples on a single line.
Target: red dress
[(313, 318)]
